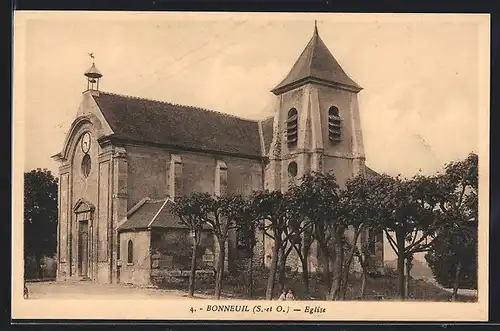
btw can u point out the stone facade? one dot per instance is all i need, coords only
(123, 156)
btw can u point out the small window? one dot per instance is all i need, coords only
(86, 165)
(292, 127)
(130, 252)
(292, 169)
(334, 124)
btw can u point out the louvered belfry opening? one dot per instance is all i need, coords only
(334, 124)
(292, 127)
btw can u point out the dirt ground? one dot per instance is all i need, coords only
(90, 290)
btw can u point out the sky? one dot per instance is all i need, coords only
(420, 77)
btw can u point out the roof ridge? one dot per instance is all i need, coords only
(314, 42)
(156, 200)
(157, 213)
(178, 105)
(266, 118)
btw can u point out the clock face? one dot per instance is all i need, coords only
(86, 142)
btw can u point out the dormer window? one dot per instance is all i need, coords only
(292, 127)
(334, 124)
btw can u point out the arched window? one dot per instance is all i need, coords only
(291, 127)
(220, 178)
(130, 252)
(86, 165)
(292, 169)
(334, 124)
(292, 173)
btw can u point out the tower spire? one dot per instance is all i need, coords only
(316, 64)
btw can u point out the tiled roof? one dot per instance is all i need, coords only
(267, 130)
(148, 121)
(370, 172)
(316, 61)
(153, 214)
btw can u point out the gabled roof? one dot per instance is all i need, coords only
(156, 122)
(316, 63)
(370, 172)
(152, 214)
(149, 214)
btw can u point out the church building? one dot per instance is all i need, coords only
(125, 160)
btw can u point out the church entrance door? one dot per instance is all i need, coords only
(83, 249)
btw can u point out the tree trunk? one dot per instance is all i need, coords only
(456, 283)
(400, 239)
(347, 265)
(326, 265)
(250, 278)
(346, 270)
(337, 270)
(363, 283)
(305, 278)
(192, 274)
(38, 258)
(283, 257)
(364, 275)
(220, 269)
(281, 269)
(408, 277)
(345, 279)
(272, 272)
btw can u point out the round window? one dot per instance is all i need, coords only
(86, 165)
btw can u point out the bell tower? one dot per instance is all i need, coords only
(93, 76)
(316, 123)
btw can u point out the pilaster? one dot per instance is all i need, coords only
(119, 206)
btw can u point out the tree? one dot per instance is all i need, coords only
(407, 214)
(299, 232)
(246, 222)
(320, 197)
(364, 256)
(453, 258)
(192, 211)
(271, 211)
(40, 215)
(224, 214)
(357, 207)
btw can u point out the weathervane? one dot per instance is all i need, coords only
(92, 57)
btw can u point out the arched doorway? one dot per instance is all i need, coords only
(84, 212)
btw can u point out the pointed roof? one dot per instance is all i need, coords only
(93, 72)
(317, 64)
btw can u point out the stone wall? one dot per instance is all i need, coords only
(149, 175)
(171, 252)
(137, 270)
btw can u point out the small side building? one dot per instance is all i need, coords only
(154, 245)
